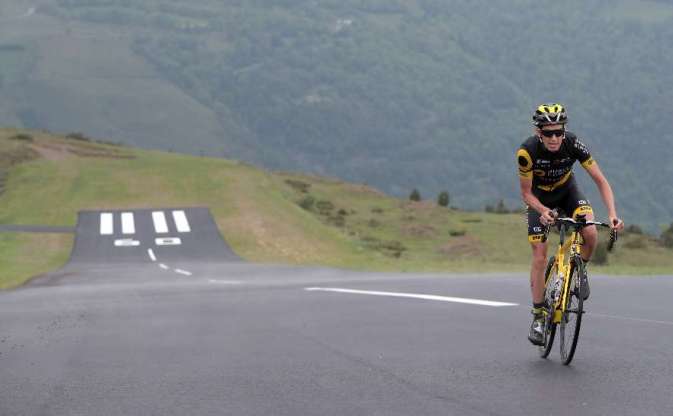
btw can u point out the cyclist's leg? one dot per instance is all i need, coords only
(577, 204)
(537, 240)
(536, 237)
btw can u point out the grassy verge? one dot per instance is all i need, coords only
(27, 255)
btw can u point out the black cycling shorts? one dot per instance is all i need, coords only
(569, 200)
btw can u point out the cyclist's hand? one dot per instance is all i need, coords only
(548, 217)
(616, 223)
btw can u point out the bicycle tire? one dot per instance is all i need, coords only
(571, 321)
(550, 326)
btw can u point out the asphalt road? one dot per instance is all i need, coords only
(120, 331)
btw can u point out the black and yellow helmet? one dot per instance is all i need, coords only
(550, 114)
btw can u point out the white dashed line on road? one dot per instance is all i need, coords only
(163, 266)
(412, 296)
(150, 252)
(183, 272)
(626, 318)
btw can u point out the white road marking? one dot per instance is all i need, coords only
(127, 242)
(128, 224)
(151, 254)
(160, 225)
(106, 223)
(225, 282)
(168, 241)
(626, 318)
(181, 221)
(185, 272)
(163, 266)
(413, 296)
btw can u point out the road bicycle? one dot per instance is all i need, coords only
(564, 277)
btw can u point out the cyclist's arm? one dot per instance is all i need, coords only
(606, 192)
(531, 200)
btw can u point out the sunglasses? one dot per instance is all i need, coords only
(551, 133)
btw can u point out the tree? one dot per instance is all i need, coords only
(415, 195)
(443, 199)
(500, 207)
(667, 237)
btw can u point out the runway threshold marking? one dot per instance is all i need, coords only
(106, 223)
(160, 224)
(412, 296)
(181, 222)
(128, 223)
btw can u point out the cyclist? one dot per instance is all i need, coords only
(547, 183)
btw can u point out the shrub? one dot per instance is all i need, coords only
(22, 137)
(78, 136)
(307, 202)
(415, 195)
(342, 212)
(633, 229)
(443, 199)
(374, 223)
(337, 220)
(500, 208)
(387, 248)
(392, 248)
(637, 243)
(324, 207)
(667, 237)
(457, 233)
(300, 186)
(377, 210)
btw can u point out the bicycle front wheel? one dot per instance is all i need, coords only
(571, 319)
(549, 325)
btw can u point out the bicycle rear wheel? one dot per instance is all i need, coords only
(550, 326)
(571, 320)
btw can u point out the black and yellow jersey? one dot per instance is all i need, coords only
(551, 170)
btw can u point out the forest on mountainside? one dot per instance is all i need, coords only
(428, 94)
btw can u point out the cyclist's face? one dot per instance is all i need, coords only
(553, 143)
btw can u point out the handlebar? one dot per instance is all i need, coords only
(578, 225)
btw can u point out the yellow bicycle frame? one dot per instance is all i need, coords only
(572, 246)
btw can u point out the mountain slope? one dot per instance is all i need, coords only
(398, 94)
(265, 216)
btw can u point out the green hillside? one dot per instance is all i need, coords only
(265, 216)
(395, 93)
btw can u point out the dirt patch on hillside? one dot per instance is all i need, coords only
(61, 151)
(461, 246)
(419, 230)
(51, 151)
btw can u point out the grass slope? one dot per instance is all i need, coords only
(49, 179)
